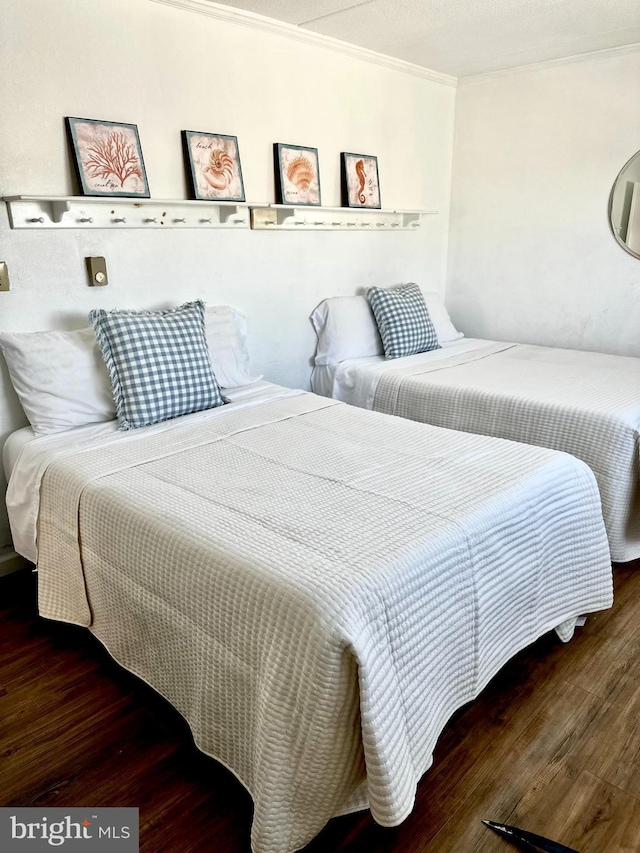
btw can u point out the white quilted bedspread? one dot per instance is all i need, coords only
(317, 588)
(583, 403)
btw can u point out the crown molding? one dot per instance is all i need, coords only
(291, 31)
(533, 67)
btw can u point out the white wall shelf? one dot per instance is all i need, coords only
(27, 211)
(274, 217)
(45, 212)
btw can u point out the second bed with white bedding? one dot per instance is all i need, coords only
(315, 588)
(583, 403)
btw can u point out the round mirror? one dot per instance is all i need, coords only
(624, 207)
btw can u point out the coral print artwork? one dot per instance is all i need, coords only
(108, 158)
(360, 185)
(297, 174)
(213, 165)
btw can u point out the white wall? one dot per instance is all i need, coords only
(165, 70)
(531, 255)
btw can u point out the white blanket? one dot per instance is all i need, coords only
(584, 403)
(317, 588)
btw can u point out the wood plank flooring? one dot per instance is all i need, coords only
(552, 744)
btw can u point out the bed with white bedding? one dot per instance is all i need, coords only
(314, 587)
(583, 403)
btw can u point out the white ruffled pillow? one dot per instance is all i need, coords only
(347, 329)
(62, 382)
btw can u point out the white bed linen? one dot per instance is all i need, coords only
(29, 456)
(583, 403)
(12, 448)
(317, 588)
(355, 380)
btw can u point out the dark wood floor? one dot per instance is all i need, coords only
(553, 744)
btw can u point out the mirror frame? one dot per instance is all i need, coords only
(610, 208)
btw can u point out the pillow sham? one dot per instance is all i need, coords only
(346, 328)
(158, 363)
(226, 333)
(445, 330)
(59, 377)
(403, 320)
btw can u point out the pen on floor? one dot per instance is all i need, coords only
(530, 840)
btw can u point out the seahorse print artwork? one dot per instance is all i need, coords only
(360, 186)
(361, 180)
(219, 171)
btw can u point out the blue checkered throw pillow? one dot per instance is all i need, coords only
(403, 320)
(158, 363)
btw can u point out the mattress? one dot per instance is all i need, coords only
(583, 403)
(316, 588)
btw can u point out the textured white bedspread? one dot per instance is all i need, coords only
(584, 403)
(317, 588)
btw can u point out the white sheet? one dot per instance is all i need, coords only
(317, 588)
(13, 447)
(27, 456)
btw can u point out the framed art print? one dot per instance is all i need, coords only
(213, 166)
(107, 157)
(360, 184)
(297, 174)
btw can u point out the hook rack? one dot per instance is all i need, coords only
(26, 211)
(289, 217)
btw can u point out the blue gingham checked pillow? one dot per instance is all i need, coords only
(158, 363)
(403, 320)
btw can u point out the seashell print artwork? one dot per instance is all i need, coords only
(219, 171)
(297, 174)
(301, 173)
(360, 186)
(213, 166)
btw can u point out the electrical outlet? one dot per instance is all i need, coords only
(97, 269)
(4, 276)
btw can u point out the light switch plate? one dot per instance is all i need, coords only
(4, 276)
(97, 269)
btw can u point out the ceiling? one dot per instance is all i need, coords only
(464, 37)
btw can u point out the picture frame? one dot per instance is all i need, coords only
(213, 166)
(107, 158)
(359, 180)
(297, 175)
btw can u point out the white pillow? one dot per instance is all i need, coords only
(226, 334)
(59, 377)
(346, 328)
(445, 330)
(62, 381)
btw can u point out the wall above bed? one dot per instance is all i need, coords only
(167, 69)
